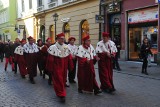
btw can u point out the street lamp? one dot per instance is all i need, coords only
(55, 17)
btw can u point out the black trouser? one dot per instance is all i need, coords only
(1, 57)
(145, 64)
(115, 62)
(15, 66)
(72, 74)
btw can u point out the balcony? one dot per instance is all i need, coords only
(67, 1)
(40, 8)
(52, 4)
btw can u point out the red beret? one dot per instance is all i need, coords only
(23, 40)
(60, 35)
(87, 37)
(48, 39)
(30, 37)
(71, 39)
(105, 34)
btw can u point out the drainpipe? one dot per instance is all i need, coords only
(100, 32)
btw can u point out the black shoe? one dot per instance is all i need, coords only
(72, 81)
(119, 69)
(49, 82)
(23, 76)
(5, 69)
(62, 99)
(66, 85)
(108, 90)
(40, 73)
(146, 73)
(43, 75)
(96, 92)
(15, 72)
(13, 69)
(32, 81)
(80, 91)
(113, 89)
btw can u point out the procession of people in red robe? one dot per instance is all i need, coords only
(59, 62)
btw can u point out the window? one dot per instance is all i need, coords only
(39, 3)
(30, 4)
(23, 8)
(66, 30)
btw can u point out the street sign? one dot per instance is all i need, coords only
(99, 18)
(21, 26)
(158, 1)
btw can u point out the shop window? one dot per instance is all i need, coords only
(66, 30)
(84, 28)
(136, 36)
(52, 35)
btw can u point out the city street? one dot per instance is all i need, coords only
(133, 89)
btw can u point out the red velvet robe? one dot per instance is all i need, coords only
(58, 66)
(86, 72)
(105, 71)
(31, 57)
(105, 63)
(20, 59)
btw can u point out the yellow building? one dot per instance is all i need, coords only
(76, 18)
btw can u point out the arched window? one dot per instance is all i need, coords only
(42, 33)
(84, 28)
(66, 30)
(52, 33)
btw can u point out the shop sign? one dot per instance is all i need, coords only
(157, 1)
(99, 18)
(144, 15)
(21, 26)
(64, 20)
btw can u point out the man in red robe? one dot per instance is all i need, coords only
(86, 74)
(20, 60)
(31, 56)
(58, 61)
(106, 49)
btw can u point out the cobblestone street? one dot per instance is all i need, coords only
(133, 90)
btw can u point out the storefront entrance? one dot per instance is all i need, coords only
(136, 36)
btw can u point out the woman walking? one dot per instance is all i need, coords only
(145, 51)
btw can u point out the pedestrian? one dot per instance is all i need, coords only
(115, 59)
(45, 55)
(145, 51)
(20, 59)
(41, 64)
(86, 73)
(73, 48)
(8, 55)
(16, 44)
(106, 49)
(58, 62)
(1, 50)
(31, 57)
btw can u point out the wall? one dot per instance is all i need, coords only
(77, 13)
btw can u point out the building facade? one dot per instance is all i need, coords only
(7, 20)
(26, 20)
(131, 21)
(75, 18)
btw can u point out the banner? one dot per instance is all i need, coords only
(143, 15)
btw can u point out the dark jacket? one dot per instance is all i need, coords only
(145, 51)
(1, 48)
(7, 51)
